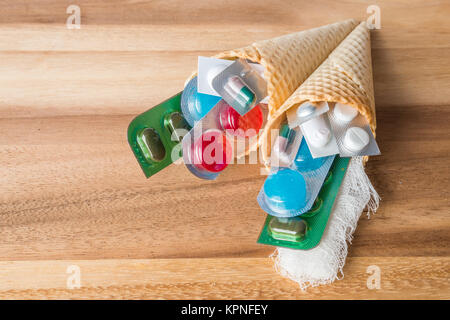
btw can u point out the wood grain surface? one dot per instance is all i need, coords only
(72, 193)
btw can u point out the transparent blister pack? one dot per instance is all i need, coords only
(195, 105)
(304, 112)
(209, 68)
(289, 192)
(155, 135)
(240, 86)
(209, 147)
(285, 146)
(352, 132)
(305, 232)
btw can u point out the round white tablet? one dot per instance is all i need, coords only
(305, 109)
(356, 139)
(344, 112)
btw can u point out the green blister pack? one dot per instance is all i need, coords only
(155, 135)
(305, 232)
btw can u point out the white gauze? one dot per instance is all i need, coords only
(324, 263)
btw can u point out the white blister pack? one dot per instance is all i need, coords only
(285, 147)
(209, 68)
(240, 86)
(304, 112)
(319, 136)
(352, 132)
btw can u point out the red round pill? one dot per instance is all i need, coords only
(212, 151)
(245, 126)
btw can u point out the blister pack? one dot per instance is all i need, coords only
(155, 135)
(285, 146)
(240, 86)
(319, 136)
(352, 132)
(195, 105)
(305, 232)
(208, 147)
(210, 67)
(289, 192)
(304, 112)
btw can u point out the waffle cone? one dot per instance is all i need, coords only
(345, 77)
(289, 60)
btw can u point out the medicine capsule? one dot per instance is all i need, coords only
(285, 190)
(212, 151)
(247, 125)
(344, 113)
(241, 94)
(317, 131)
(288, 229)
(281, 142)
(177, 126)
(356, 139)
(151, 145)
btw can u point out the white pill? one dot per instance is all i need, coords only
(356, 139)
(344, 112)
(317, 131)
(305, 109)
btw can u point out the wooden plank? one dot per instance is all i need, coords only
(239, 278)
(71, 191)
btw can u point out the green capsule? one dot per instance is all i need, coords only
(177, 126)
(151, 145)
(288, 229)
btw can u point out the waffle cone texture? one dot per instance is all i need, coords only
(335, 57)
(344, 77)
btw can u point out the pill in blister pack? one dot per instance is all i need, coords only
(209, 68)
(208, 147)
(289, 192)
(319, 137)
(304, 112)
(288, 229)
(155, 135)
(306, 231)
(195, 105)
(352, 132)
(285, 146)
(240, 86)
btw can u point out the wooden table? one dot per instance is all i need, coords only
(72, 193)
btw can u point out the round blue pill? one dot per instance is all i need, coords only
(304, 160)
(195, 105)
(285, 191)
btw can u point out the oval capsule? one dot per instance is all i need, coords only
(151, 145)
(288, 229)
(177, 126)
(240, 93)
